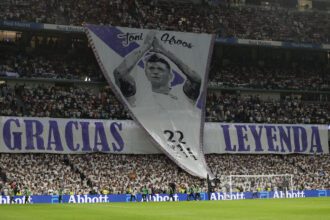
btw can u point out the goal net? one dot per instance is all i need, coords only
(259, 183)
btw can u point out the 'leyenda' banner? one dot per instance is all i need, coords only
(75, 136)
(161, 77)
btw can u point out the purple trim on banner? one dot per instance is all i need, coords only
(202, 99)
(109, 35)
(178, 79)
(141, 64)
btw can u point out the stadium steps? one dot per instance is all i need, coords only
(75, 169)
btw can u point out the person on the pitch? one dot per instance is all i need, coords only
(190, 193)
(27, 194)
(171, 193)
(152, 193)
(132, 193)
(11, 196)
(60, 195)
(144, 193)
(197, 190)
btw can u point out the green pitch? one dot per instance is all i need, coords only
(277, 209)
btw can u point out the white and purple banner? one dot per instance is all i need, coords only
(78, 136)
(161, 77)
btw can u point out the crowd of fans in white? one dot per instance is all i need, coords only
(60, 102)
(242, 22)
(59, 67)
(302, 78)
(55, 67)
(101, 173)
(79, 102)
(41, 173)
(253, 109)
(309, 172)
(110, 173)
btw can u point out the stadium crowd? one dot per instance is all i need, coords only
(241, 22)
(60, 102)
(59, 67)
(79, 102)
(42, 173)
(55, 67)
(309, 172)
(256, 77)
(253, 109)
(111, 173)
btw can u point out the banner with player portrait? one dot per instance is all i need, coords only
(161, 77)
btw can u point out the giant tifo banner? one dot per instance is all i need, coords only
(161, 76)
(77, 136)
(54, 199)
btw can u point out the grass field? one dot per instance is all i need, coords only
(277, 209)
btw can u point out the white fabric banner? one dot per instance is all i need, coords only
(161, 77)
(73, 136)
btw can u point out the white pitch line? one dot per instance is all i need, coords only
(119, 206)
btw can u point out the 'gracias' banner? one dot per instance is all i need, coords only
(161, 77)
(72, 136)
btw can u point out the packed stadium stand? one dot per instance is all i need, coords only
(75, 102)
(54, 74)
(94, 173)
(273, 23)
(276, 77)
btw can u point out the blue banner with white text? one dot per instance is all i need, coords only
(54, 199)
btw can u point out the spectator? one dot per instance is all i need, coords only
(262, 23)
(44, 173)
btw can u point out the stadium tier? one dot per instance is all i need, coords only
(67, 97)
(45, 174)
(226, 20)
(76, 67)
(78, 102)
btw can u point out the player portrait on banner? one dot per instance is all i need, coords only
(160, 76)
(158, 72)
